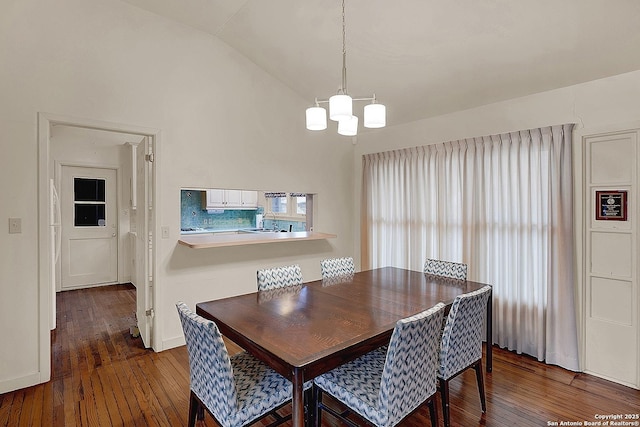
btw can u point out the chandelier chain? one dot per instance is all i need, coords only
(344, 52)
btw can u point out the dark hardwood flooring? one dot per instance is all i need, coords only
(101, 376)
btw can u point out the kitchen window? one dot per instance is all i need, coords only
(277, 202)
(300, 203)
(283, 205)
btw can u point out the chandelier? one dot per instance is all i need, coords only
(341, 105)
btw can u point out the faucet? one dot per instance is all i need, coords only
(273, 220)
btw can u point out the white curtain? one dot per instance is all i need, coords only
(503, 204)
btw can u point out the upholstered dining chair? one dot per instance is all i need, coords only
(279, 277)
(383, 388)
(461, 346)
(335, 267)
(236, 390)
(454, 270)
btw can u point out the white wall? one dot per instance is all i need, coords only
(600, 102)
(223, 123)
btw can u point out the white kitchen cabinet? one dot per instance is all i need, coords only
(230, 199)
(249, 199)
(214, 199)
(233, 198)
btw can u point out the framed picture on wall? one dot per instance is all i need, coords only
(611, 205)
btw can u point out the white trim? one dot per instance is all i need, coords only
(173, 342)
(21, 382)
(614, 380)
(57, 119)
(97, 285)
(580, 228)
(580, 223)
(45, 293)
(608, 128)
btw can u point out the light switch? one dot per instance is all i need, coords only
(15, 225)
(165, 232)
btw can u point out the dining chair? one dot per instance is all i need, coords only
(279, 277)
(335, 267)
(384, 388)
(236, 390)
(454, 270)
(461, 346)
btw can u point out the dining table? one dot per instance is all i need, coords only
(306, 330)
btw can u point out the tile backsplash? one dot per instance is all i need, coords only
(284, 225)
(193, 215)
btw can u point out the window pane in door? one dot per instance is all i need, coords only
(89, 190)
(90, 215)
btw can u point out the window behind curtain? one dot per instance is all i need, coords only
(503, 205)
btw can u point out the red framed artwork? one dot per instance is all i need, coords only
(611, 205)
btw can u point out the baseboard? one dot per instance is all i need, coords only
(612, 379)
(97, 285)
(173, 342)
(20, 382)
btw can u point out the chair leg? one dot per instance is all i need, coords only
(309, 407)
(316, 406)
(194, 406)
(444, 396)
(480, 378)
(433, 413)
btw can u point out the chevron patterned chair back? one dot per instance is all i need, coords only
(454, 270)
(461, 346)
(236, 390)
(383, 388)
(279, 277)
(336, 267)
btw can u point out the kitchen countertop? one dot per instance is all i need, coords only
(198, 230)
(215, 240)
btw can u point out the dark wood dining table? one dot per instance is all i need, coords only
(306, 330)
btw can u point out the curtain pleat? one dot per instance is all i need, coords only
(503, 204)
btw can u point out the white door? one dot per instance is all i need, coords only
(89, 249)
(611, 274)
(144, 239)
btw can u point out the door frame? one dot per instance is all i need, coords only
(46, 295)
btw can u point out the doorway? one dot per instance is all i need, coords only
(145, 294)
(89, 226)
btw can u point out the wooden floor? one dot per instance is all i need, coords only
(101, 376)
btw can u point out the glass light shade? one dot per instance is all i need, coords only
(316, 118)
(348, 127)
(375, 116)
(340, 107)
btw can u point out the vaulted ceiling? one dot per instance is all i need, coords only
(423, 58)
